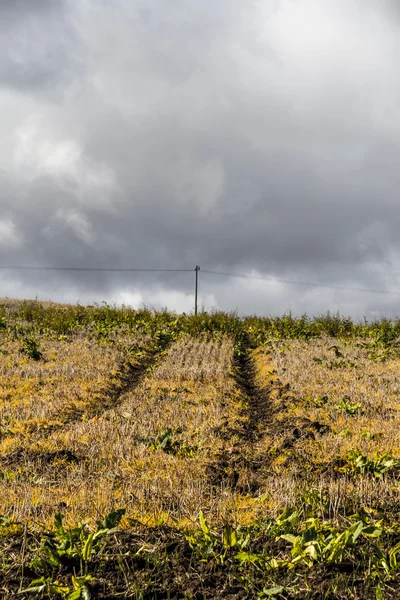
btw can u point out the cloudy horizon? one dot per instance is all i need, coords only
(257, 138)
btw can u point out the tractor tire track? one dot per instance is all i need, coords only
(128, 376)
(258, 407)
(238, 466)
(244, 465)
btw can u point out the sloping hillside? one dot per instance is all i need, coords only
(152, 455)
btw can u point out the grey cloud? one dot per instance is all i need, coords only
(204, 134)
(38, 47)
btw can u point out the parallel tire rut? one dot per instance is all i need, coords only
(127, 378)
(242, 458)
(258, 405)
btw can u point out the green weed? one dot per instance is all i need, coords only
(349, 409)
(30, 347)
(168, 443)
(377, 466)
(72, 551)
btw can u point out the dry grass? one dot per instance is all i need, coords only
(117, 459)
(13, 305)
(316, 387)
(353, 376)
(203, 359)
(169, 448)
(111, 418)
(38, 396)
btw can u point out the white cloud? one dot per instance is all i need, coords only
(9, 236)
(40, 149)
(79, 225)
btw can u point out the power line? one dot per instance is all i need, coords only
(98, 269)
(306, 283)
(197, 269)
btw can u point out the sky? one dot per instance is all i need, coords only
(254, 137)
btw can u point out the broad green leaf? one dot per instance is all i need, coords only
(101, 533)
(356, 529)
(203, 525)
(276, 563)
(87, 547)
(86, 595)
(56, 588)
(81, 593)
(37, 589)
(310, 534)
(248, 557)
(393, 561)
(113, 519)
(270, 592)
(230, 537)
(312, 551)
(288, 537)
(372, 531)
(289, 515)
(58, 524)
(297, 559)
(393, 556)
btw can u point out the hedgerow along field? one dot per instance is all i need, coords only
(152, 455)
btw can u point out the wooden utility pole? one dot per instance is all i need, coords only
(196, 285)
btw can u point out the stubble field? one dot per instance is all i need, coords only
(151, 455)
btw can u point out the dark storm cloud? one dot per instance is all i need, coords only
(255, 137)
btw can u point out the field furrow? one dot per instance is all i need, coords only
(150, 452)
(336, 417)
(71, 381)
(240, 458)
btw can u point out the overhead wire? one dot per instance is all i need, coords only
(296, 282)
(101, 269)
(203, 271)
